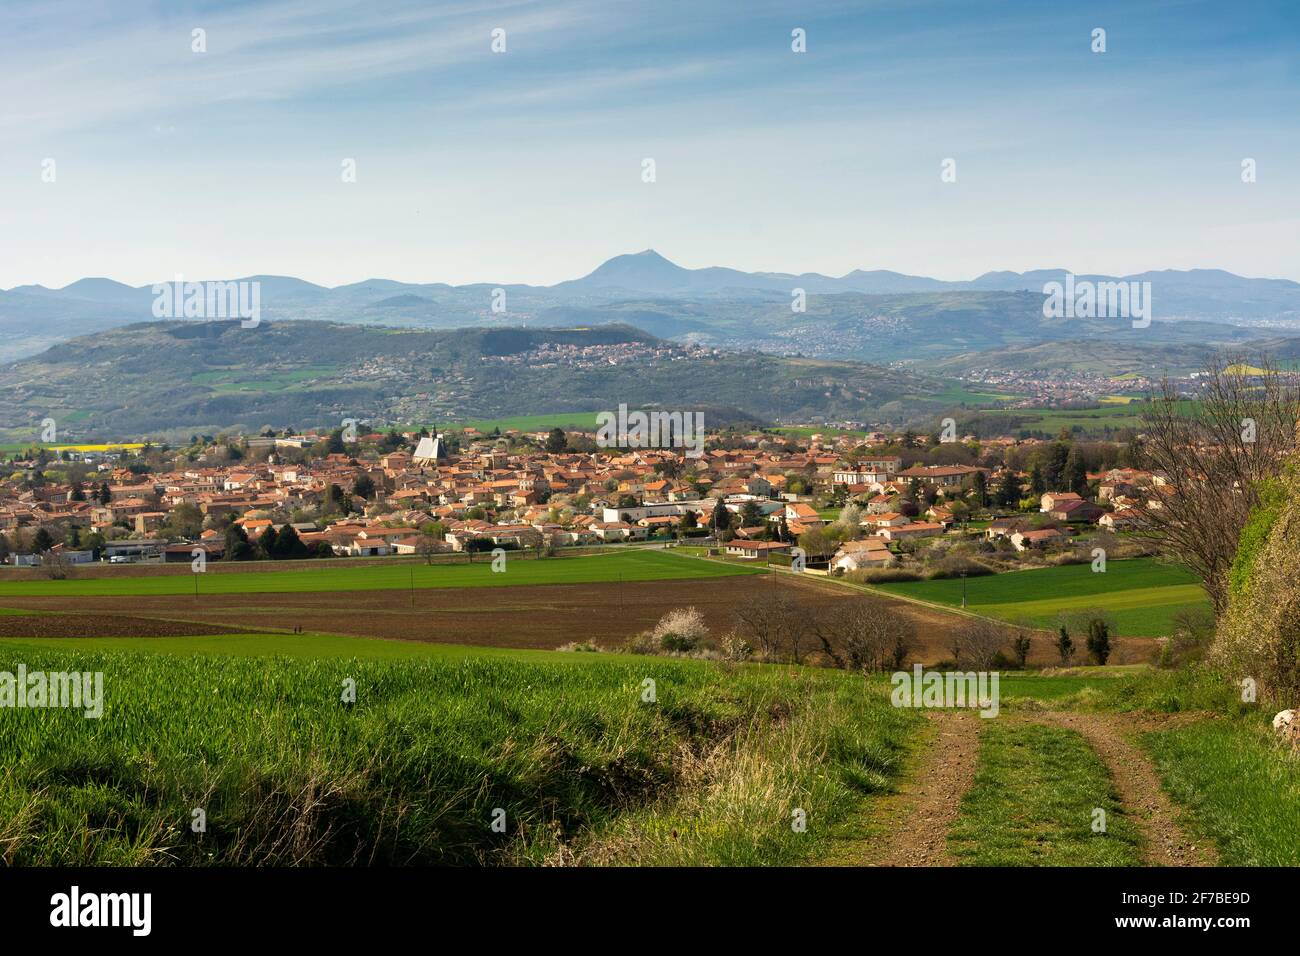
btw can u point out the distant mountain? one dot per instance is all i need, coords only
(168, 377)
(871, 314)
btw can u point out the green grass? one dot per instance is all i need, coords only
(1237, 785)
(629, 566)
(300, 646)
(1142, 594)
(583, 421)
(585, 769)
(1032, 803)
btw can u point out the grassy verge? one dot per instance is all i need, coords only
(584, 769)
(1033, 800)
(1238, 786)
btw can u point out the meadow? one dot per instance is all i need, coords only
(598, 760)
(1142, 594)
(382, 574)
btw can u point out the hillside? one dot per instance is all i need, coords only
(146, 378)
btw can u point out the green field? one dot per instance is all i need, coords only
(584, 767)
(631, 565)
(1142, 594)
(582, 421)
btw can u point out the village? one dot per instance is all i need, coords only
(836, 503)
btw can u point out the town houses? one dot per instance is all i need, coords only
(753, 496)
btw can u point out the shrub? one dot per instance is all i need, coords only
(1099, 640)
(680, 631)
(582, 647)
(881, 575)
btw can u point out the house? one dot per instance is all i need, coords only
(941, 476)
(757, 549)
(803, 513)
(889, 519)
(1123, 520)
(1003, 527)
(867, 553)
(1024, 540)
(1076, 511)
(915, 529)
(1052, 499)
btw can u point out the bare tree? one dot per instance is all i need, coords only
(862, 634)
(1211, 458)
(428, 547)
(775, 626)
(978, 642)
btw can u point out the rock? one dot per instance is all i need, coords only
(1287, 724)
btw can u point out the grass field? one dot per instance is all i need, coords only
(583, 421)
(632, 565)
(300, 646)
(577, 761)
(1142, 594)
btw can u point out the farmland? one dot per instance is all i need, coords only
(639, 565)
(1142, 594)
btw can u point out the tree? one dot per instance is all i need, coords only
(266, 541)
(1065, 646)
(288, 544)
(363, 486)
(980, 488)
(186, 520)
(42, 541)
(750, 516)
(1075, 476)
(817, 544)
(776, 626)
(1217, 458)
(978, 643)
(557, 441)
(865, 635)
(104, 496)
(429, 547)
(1037, 484)
(1099, 640)
(237, 546)
(1021, 647)
(1008, 494)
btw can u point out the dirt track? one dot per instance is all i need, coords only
(1164, 841)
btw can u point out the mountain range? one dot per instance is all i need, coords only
(864, 314)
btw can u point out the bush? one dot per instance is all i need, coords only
(581, 647)
(681, 631)
(952, 567)
(881, 575)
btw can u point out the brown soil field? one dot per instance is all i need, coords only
(537, 616)
(102, 625)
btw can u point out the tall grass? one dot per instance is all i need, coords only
(287, 773)
(1238, 786)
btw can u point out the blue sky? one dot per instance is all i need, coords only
(526, 166)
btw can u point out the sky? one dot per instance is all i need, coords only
(528, 165)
